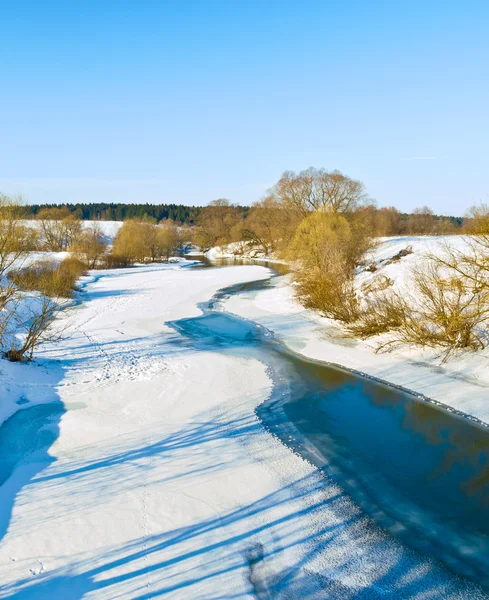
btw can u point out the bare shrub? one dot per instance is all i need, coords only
(33, 325)
(269, 225)
(16, 239)
(49, 278)
(217, 224)
(327, 248)
(60, 229)
(90, 246)
(380, 313)
(115, 261)
(7, 296)
(441, 309)
(333, 294)
(142, 241)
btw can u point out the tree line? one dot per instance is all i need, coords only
(102, 211)
(272, 222)
(322, 222)
(388, 220)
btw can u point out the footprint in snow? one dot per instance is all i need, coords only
(37, 570)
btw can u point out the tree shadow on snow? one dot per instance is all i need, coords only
(26, 437)
(247, 551)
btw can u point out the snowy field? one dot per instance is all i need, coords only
(109, 228)
(160, 482)
(461, 383)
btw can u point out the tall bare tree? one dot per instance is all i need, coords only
(268, 225)
(59, 228)
(318, 189)
(33, 322)
(215, 224)
(421, 221)
(90, 245)
(16, 239)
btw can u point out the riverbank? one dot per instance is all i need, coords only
(461, 383)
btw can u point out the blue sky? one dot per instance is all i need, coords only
(186, 101)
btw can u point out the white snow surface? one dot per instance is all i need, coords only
(109, 228)
(162, 483)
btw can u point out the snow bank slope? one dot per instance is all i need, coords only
(462, 383)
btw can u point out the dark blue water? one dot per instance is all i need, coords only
(421, 472)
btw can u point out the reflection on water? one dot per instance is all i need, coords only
(421, 472)
(279, 268)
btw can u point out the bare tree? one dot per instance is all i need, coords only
(16, 239)
(7, 296)
(90, 246)
(131, 243)
(388, 221)
(138, 241)
(327, 249)
(422, 221)
(268, 225)
(318, 189)
(215, 224)
(33, 317)
(169, 239)
(60, 229)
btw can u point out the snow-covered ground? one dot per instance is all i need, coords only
(462, 382)
(161, 481)
(109, 228)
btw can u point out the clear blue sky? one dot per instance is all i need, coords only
(186, 101)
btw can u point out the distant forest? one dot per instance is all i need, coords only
(99, 211)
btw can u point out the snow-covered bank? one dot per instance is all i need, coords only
(241, 250)
(162, 481)
(462, 382)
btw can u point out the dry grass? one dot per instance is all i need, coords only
(440, 310)
(332, 294)
(49, 278)
(115, 261)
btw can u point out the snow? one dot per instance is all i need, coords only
(240, 250)
(461, 383)
(109, 228)
(162, 482)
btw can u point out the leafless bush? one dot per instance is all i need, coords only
(33, 318)
(442, 309)
(49, 278)
(333, 294)
(16, 240)
(144, 241)
(115, 261)
(7, 295)
(327, 248)
(59, 228)
(90, 246)
(379, 313)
